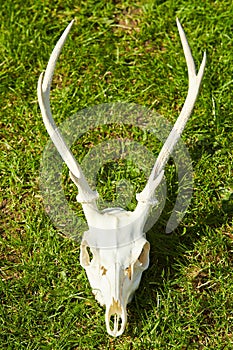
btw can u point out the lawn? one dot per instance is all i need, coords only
(117, 51)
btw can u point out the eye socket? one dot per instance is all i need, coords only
(90, 254)
(144, 255)
(142, 261)
(86, 255)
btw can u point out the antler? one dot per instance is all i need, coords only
(175, 134)
(86, 195)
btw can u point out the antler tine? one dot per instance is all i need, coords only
(43, 91)
(175, 134)
(189, 58)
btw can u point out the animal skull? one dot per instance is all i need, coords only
(114, 272)
(122, 266)
(114, 251)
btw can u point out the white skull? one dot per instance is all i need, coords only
(114, 275)
(114, 251)
(114, 268)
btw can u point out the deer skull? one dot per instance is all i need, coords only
(115, 267)
(114, 251)
(124, 266)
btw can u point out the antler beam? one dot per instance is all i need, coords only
(175, 134)
(43, 91)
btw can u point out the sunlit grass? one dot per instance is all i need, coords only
(131, 52)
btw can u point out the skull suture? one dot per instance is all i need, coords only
(114, 251)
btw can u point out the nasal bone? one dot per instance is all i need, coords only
(116, 314)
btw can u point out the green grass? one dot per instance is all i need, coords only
(185, 300)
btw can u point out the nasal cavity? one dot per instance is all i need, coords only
(115, 319)
(115, 323)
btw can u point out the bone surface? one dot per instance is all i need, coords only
(114, 251)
